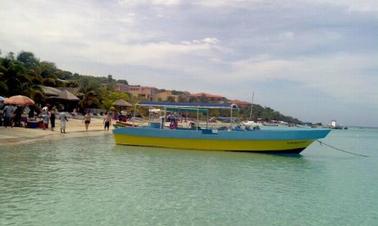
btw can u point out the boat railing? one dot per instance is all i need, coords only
(159, 117)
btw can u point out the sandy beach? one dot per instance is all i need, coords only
(74, 128)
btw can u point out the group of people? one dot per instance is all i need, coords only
(45, 118)
(51, 116)
(20, 116)
(7, 115)
(106, 120)
(173, 121)
(12, 115)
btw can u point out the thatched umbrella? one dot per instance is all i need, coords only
(19, 100)
(121, 103)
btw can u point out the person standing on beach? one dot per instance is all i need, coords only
(63, 120)
(87, 120)
(1, 116)
(45, 119)
(17, 116)
(31, 113)
(52, 119)
(107, 121)
(8, 114)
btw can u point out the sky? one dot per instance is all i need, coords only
(316, 60)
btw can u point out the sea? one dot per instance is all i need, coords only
(92, 181)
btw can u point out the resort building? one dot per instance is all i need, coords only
(144, 92)
(154, 94)
(166, 95)
(121, 87)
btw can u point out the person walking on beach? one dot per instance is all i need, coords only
(45, 119)
(52, 119)
(107, 121)
(63, 120)
(87, 120)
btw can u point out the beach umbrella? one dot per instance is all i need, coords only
(19, 100)
(121, 103)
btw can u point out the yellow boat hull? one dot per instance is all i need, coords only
(284, 146)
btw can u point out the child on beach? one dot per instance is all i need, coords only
(63, 120)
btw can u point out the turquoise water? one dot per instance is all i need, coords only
(90, 181)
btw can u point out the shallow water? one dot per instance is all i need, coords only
(91, 181)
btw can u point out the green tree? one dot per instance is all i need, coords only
(13, 75)
(171, 99)
(111, 96)
(90, 88)
(49, 82)
(28, 59)
(110, 82)
(48, 70)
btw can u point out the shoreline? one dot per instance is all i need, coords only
(75, 128)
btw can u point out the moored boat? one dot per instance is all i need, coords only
(234, 138)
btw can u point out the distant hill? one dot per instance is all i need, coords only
(24, 74)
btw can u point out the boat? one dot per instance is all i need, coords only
(235, 138)
(335, 125)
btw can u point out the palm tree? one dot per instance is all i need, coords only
(16, 79)
(90, 90)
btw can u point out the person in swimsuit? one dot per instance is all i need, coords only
(87, 120)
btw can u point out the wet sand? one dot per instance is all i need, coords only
(74, 128)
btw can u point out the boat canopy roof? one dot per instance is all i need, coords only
(193, 106)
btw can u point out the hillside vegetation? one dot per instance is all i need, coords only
(24, 73)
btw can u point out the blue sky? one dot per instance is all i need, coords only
(315, 60)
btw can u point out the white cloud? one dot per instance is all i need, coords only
(353, 5)
(208, 40)
(338, 75)
(226, 3)
(148, 54)
(151, 2)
